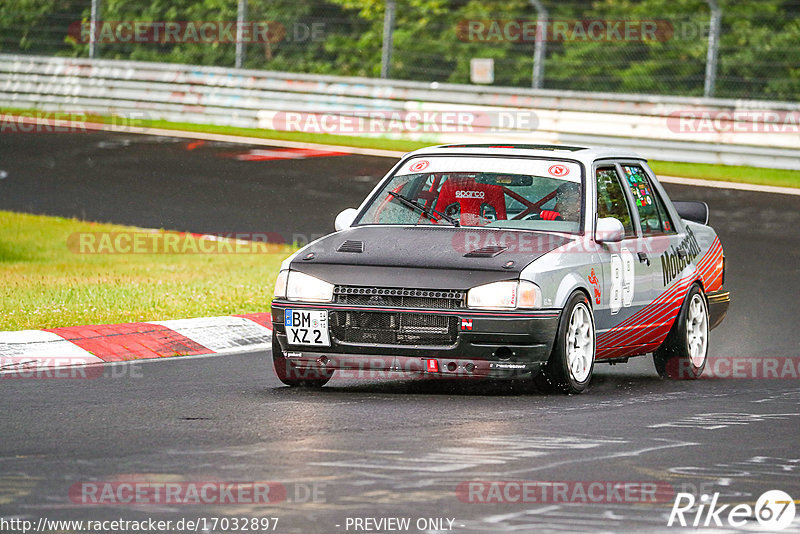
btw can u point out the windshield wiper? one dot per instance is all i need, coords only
(428, 212)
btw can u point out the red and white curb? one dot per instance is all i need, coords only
(96, 344)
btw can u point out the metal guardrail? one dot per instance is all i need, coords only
(756, 133)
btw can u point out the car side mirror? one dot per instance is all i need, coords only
(694, 211)
(609, 230)
(345, 219)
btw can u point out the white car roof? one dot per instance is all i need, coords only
(586, 155)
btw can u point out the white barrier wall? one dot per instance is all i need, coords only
(757, 133)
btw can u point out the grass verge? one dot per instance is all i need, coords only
(728, 173)
(45, 283)
(703, 171)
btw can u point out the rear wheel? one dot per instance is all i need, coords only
(288, 373)
(569, 368)
(684, 352)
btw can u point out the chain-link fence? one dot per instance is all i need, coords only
(719, 48)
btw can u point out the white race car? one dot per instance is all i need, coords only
(530, 262)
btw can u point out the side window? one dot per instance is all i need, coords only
(653, 216)
(666, 222)
(611, 201)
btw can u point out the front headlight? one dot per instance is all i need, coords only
(505, 296)
(303, 287)
(280, 285)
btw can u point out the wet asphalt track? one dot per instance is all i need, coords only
(386, 448)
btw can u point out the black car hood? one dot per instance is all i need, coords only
(423, 256)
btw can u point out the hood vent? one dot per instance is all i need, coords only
(486, 252)
(351, 246)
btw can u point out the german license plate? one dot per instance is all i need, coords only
(307, 327)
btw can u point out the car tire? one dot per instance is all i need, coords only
(569, 368)
(684, 352)
(290, 375)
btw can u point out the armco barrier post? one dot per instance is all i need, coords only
(539, 46)
(95, 15)
(713, 48)
(388, 30)
(241, 18)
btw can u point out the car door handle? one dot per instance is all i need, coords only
(644, 259)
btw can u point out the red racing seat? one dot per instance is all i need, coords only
(473, 202)
(549, 215)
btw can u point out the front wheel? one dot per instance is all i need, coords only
(569, 368)
(684, 352)
(288, 373)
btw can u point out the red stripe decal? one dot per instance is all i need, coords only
(653, 309)
(657, 310)
(652, 323)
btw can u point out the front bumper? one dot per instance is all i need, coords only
(503, 344)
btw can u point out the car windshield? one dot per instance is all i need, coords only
(525, 193)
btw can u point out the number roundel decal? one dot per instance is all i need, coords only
(558, 170)
(622, 280)
(421, 165)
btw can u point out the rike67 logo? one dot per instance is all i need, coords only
(774, 510)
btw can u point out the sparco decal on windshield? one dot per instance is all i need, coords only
(470, 194)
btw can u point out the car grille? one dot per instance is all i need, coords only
(398, 298)
(386, 328)
(394, 328)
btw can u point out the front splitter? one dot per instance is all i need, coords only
(361, 366)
